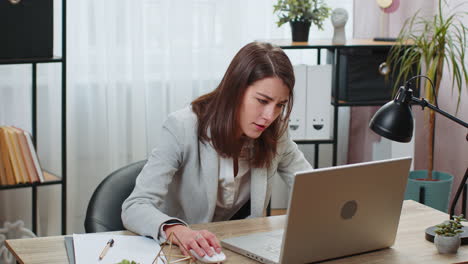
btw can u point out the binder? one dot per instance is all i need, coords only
(18, 158)
(319, 82)
(10, 177)
(26, 153)
(297, 119)
(20, 163)
(34, 156)
(12, 154)
(2, 171)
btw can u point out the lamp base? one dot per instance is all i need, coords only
(430, 234)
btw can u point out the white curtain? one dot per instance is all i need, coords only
(130, 63)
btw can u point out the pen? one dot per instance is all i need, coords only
(109, 244)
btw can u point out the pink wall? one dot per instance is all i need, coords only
(451, 147)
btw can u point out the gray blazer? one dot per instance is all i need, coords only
(180, 179)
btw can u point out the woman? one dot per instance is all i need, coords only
(220, 153)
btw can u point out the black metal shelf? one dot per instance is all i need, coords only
(49, 178)
(27, 185)
(314, 141)
(359, 103)
(334, 49)
(304, 45)
(24, 185)
(31, 60)
(328, 44)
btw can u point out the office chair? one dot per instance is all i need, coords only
(105, 206)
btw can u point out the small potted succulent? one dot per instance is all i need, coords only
(447, 239)
(125, 261)
(301, 14)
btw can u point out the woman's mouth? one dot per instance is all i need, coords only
(259, 127)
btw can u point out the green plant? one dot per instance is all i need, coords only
(127, 262)
(429, 44)
(315, 11)
(450, 228)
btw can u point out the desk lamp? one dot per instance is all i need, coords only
(394, 121)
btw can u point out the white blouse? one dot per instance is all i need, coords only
(233, 191)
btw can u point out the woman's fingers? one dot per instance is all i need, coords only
(181, 236)
(203, 243)
(200, 241)
(212, 240)
(195, 247)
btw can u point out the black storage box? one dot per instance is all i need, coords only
(359, 76)
(26, 29)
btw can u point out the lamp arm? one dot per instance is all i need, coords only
(457, 195)
(423, 103)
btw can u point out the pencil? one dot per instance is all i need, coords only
(109, 244)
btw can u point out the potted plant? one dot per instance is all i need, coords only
(447, 239)
(125, 261)
(301, 14)
(428, 45)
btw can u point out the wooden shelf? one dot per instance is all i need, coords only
(327, 43)
(359, 103)
(49, 179)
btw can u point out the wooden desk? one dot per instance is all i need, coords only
(410, 246)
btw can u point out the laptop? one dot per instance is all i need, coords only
(334, 212)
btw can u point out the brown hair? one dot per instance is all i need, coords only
(217, 111)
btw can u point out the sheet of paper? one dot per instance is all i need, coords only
(140, 249)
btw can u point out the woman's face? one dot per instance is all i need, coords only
(263, 102)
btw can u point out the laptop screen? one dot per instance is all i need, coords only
(335, 212)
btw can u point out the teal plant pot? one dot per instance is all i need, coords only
(435, 194)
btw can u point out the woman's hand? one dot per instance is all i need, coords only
(199, 241)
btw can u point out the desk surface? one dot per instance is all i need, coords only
(410, 245)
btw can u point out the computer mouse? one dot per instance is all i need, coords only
(216, 258)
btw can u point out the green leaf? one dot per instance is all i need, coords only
(125, 261)
(435, 41)
(314, 11)
(451, 227)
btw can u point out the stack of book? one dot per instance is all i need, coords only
(19, 163)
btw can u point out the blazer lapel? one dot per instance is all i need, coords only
(258, 190)
(210, 170)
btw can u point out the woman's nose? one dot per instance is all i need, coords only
(269, 113)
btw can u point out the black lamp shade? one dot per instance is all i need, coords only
(394, 121)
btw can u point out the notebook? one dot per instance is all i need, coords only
(334, 212)
(89, 247)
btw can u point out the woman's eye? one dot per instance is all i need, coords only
(281, 105)
(262, 101)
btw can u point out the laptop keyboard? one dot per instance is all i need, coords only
(273, 246)
(264, 246)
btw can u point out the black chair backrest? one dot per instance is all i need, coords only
(105, 207)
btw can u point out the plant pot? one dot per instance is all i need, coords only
(300, 30)
(447, 245)
(435, 194)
